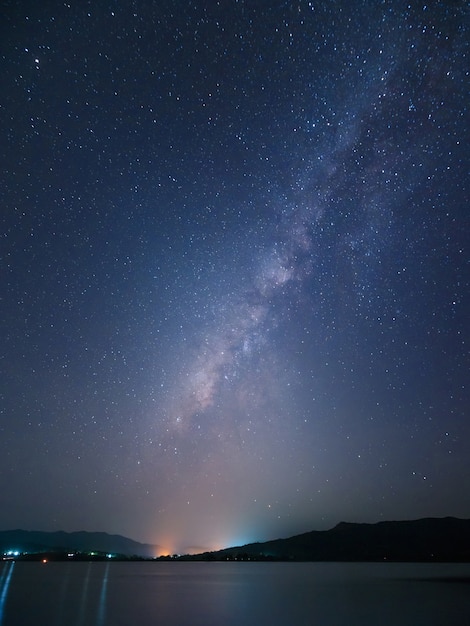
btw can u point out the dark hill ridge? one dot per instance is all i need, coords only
(37, 541)
(431, 539)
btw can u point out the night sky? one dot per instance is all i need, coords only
(234, 266)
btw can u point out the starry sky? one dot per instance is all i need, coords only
(234, 266)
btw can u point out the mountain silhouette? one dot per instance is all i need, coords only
(38, 541)
(430, 539)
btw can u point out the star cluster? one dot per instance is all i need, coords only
(234, 296)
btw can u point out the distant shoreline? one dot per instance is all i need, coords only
(428, 540)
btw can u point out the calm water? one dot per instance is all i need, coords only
(206, 594)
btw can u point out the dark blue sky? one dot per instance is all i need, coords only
(235, 266)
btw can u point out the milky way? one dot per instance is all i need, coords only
(301, 238)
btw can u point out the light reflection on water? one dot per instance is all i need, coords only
(210, 594)
(5, 579)
(102, 605)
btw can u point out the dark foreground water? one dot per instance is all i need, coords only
(206, 594)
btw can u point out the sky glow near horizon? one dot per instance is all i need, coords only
(235, 267)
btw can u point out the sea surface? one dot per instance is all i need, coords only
(234, 593)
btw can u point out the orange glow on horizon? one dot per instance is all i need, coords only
(164, 552)
(168, 548)
(174, 541)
